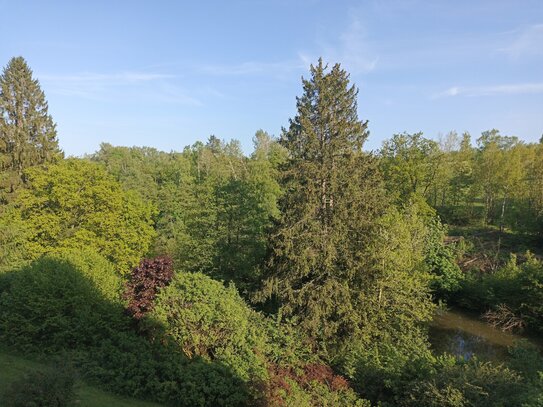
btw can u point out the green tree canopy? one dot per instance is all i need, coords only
(76, 204)
(410, 163)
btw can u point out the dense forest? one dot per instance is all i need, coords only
(304, 274)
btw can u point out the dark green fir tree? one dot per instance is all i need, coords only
(333, 194)
(28, 135)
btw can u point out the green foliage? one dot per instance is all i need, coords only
(136, 167)
(470, 383)
(446, 276)
(383, 369)
(518, 287)
(69, 302)
(76, 204)
(498, 183)
(316, 385)
(58, 302)
(214, 205)
(395, 298)
(27, 131)
(14, 236)
(233, 202)
(206, 319)
(52, 387)
(527, 359)
(332, 196)
(94, 267)
(410, 163)
(129, 364)
(411, 376)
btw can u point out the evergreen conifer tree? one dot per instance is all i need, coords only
(333, 194)
(27, 132)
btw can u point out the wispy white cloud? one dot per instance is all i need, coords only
(355, 50)
(351, 48)
(148, 86)
(527, 42)
(510, 89)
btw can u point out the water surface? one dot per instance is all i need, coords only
(463, 334)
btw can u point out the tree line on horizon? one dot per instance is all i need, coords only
(303, 274)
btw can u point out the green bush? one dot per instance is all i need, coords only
(211, 321)
(383, 370)
(66, 300)
(14, 235)
(446, 276)
(95, 268)
(53, 387)
(519, 287)
(129, 364)
(69, 301)
(527, 359)
(469, 383)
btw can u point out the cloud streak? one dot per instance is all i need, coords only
(509, 89)
(527, 43)
(130, 85)
(351, 48)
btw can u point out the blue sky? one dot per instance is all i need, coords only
(168, 73)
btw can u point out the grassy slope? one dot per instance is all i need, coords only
(13, 367)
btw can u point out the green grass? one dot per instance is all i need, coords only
(12, 367)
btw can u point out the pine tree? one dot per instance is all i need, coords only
(333, 194)
(27, 133)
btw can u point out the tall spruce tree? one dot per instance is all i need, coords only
(333, 195)
(27, 133)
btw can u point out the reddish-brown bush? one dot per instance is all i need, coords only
(325, 375)
(144, 283)
(279, 378)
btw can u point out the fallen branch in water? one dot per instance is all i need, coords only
(503, 318)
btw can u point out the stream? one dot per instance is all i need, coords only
(463, 334)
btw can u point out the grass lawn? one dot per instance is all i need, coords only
(12, 367)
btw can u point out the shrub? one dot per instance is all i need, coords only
(52, 387)
(312, 385)
(145, 282)
(440, 260)
(211, 321)
(469, 383)
(383, 370)
(95, 268)
(62, 301)
(129, 364)
(518, 288)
